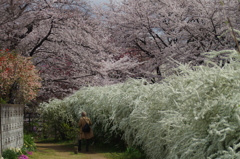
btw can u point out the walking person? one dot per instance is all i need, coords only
(84, 135)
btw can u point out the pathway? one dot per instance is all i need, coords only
(59, 151)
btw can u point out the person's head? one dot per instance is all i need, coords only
(84, 114)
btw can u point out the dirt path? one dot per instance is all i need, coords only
(60, 151)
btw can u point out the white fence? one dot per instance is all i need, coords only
(11, 119)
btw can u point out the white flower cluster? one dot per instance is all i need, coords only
(17, 149)
(195, 114)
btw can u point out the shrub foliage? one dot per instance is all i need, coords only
(192, 114)
(19, 80)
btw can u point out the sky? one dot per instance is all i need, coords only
(97, 2)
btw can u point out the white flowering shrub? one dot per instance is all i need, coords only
(192, 115)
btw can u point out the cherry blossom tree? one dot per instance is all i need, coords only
(73, 46)
(162, 30)
(67, 43)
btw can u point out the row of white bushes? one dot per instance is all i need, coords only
(192, 115)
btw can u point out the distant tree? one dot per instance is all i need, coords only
(161, 30)
(19, 80)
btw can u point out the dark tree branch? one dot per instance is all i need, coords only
(145, 51)
(41, 42)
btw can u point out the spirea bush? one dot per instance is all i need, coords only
(190, 115)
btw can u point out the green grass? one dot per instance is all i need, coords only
(110, 152)
(130, 153)
(41, 154)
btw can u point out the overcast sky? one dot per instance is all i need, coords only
(100, 1)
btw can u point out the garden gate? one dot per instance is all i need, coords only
(11, 132)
